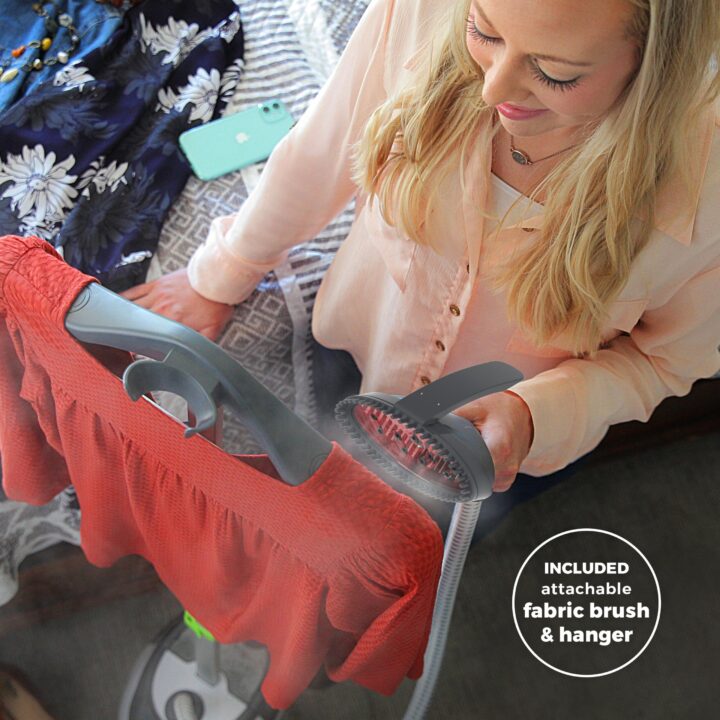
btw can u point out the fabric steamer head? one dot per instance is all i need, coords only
(420, 441)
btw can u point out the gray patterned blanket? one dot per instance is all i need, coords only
(290, 49)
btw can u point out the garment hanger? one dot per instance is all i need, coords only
(182, 361)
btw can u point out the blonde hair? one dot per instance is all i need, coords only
(581, 260)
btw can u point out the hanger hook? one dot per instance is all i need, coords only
(144, 376)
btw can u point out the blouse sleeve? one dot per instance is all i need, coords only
(307, 180)
(672, 345)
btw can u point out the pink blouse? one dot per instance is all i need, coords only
(409, 315)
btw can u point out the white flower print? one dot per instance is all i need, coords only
(89, 174)
(73, 76)
(103, 176)
(177, 39)
(230, 79)
(38, 185)
(229, 28)
(167, 99)
(135, 257)
(45, 229)
(201, 93)
(111, 176)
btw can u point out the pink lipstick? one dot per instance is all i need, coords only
(517, 113)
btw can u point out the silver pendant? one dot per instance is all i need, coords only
(520, 157)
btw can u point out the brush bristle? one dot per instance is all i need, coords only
(409, 451)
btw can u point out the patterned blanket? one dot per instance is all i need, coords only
(290, 49)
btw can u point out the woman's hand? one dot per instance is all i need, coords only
(504, 421)
(172, 296)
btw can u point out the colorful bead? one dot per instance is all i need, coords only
(52, 24)
(9, 75)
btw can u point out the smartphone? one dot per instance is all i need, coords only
(230, 143)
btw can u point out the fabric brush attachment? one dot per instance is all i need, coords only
(420, 441)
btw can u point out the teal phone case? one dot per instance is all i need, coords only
(230, 143)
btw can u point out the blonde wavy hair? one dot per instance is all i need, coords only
(565, 281)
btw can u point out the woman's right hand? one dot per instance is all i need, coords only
(172, 296)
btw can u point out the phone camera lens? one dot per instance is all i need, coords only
(276, 105)
(266, 109)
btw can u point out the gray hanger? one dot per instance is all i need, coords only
(184, 362)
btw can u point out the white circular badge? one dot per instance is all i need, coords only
(586, 602)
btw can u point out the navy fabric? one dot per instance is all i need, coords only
(89, 160)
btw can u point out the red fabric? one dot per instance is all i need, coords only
(341, 570)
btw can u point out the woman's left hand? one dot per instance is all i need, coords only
(504, 421)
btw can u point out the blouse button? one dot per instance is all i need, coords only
(440, 345)
(425, 380)
(455, 310)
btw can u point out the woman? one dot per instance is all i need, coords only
(537, 183)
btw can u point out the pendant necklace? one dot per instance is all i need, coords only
(522, 158)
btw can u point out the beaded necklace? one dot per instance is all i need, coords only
(52, 24)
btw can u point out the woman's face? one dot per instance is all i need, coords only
(570, 60)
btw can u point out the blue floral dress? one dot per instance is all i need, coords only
(89, 158)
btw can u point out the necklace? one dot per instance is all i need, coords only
(522, 158)
(52, 24)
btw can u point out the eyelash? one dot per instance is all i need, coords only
(561, 85)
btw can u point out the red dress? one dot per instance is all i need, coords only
(341, 570)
